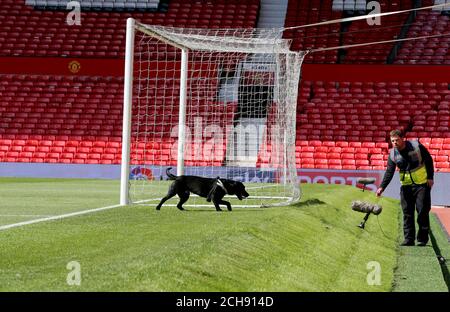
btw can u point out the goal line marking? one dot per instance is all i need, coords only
(24, 215)
(58, 217)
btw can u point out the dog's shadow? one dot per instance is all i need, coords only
(235, 210)
(306, 203)
(309, 202)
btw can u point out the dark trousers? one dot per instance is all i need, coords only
(416, 198)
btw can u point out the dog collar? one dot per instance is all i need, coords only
(219, 183)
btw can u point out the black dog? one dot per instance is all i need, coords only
(213, 189)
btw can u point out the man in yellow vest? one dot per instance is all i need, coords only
(416, 177)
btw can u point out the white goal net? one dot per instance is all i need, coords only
(211, 103)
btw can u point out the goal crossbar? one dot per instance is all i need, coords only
(267, 41)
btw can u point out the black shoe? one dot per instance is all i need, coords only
(421, 243)
(407, 243)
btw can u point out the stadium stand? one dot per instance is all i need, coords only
(309, 12)
(79, 119)
(434, 51)
(25, 31)
(389, 29)
(96, 5)
(332, 35)
(53, 118)
(340, 124)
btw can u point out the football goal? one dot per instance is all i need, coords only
(212, 103)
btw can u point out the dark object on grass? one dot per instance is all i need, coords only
(366, 208)
(365, 182)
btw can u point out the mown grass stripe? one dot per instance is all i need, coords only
(52, 218)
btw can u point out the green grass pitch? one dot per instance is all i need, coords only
(314, 245)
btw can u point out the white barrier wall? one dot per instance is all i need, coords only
(440, 194)
(38, 170)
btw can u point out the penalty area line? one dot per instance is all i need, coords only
(23, 215)
(58, 217)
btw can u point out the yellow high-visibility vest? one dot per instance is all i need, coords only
(417, 176)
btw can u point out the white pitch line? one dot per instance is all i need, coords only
(209, 206)
(63, 216)
(23, 215)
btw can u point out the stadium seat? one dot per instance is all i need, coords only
(103, 31)
(428, 50)
(359, 137)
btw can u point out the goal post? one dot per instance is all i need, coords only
(127, 103)
(212, 103)
(182, 114)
